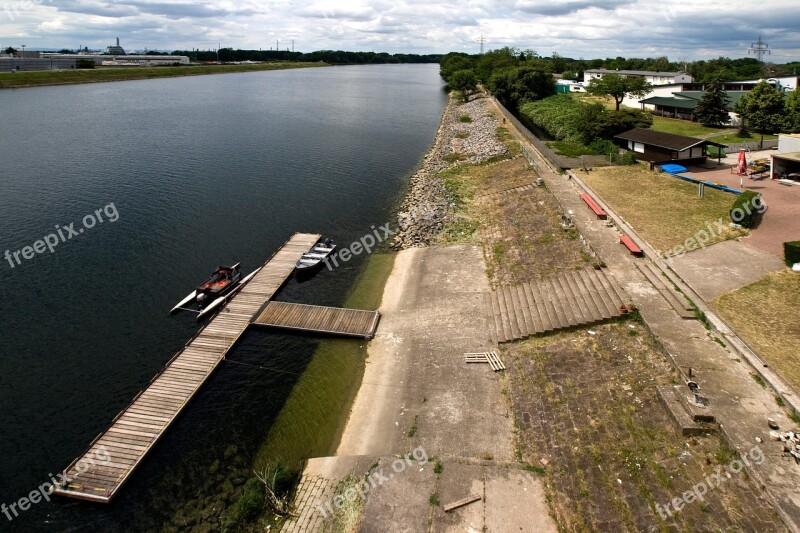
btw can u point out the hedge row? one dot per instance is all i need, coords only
(791, 252)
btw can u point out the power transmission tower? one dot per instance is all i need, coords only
(760, 49)
(481, 40)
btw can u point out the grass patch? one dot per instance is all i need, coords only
(454, 157)
(62, 77)
(684, 127)
(462, 135)
(666, 211)
(795, 417)
(535, 469)
(764, 313)
(571, 149)
(758, 379)
(438, 468)
(779, 401)
(413, 429)
(348, 517)
(434, 500)
(731, 138)
(466, 119)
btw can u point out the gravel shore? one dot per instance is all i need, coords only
(427, 207)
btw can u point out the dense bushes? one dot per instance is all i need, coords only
(746, 208)
(568, 119)
(791, 252)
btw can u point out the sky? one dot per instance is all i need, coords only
(681, 30)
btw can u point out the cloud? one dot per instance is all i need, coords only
(573, 28)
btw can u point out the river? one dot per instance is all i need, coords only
(186, 174)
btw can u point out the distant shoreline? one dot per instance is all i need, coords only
(45, 78)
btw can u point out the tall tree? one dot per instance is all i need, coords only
(713, 108)
(792, 112)
(762, 109)
(463, 81)
(618, 86)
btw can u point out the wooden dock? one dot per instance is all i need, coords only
(138, 427)
(332, 320)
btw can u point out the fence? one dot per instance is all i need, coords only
(756, 145)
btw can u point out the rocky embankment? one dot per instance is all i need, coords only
(427, 207)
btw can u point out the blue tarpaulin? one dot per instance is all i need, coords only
(673, 169)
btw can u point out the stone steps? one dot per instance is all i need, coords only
(664, 287)
(570, 299)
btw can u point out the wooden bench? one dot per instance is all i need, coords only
(593, 206)
(630, 245)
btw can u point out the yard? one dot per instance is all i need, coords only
(765, 315)
(664, 210)
(695, 129)
(588, 418)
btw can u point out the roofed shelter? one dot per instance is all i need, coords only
(785, 166)
(660, 147)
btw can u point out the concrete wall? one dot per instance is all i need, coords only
(789, 142)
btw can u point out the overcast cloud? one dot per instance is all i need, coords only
(681, 30)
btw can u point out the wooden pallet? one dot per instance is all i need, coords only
(111, 458)
(485, 357)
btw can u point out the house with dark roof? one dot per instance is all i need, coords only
(660, 147)
(682, 103)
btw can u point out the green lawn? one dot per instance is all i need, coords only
(693, 129)
(61, 77)
(664, 210)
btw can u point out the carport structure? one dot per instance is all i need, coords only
(785, 166)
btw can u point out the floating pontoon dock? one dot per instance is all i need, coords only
(137, 428)
(315, 318)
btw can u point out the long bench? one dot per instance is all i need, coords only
(593, 206)
(630, 245)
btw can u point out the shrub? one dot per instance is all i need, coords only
(746, 208)
(85, 63)
(791, 252)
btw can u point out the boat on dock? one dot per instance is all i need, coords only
(213, 292)
(315, 256)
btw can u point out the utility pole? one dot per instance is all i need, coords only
(759, 49)
(277, 45)
(481, 40)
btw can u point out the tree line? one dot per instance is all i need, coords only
(334, 57)
(524, 83)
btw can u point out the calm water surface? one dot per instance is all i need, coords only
(201, 171)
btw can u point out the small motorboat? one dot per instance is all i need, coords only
(316, 255)
(210, 294)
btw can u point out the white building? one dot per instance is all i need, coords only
(654, 78)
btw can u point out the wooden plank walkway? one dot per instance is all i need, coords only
(138, 427)
(567, 300)
(319, 319)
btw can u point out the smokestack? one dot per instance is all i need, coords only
(117, 41)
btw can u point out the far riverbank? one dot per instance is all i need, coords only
(99, 75)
